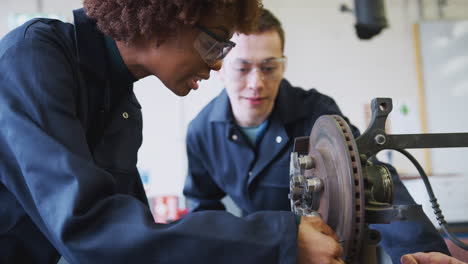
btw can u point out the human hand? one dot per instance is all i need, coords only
(317, 243)
(429, 258)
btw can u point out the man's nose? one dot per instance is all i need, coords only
(255, 79)
(217, 66)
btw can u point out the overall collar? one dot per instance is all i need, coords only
(90, 45)
(222, 111)
(98, 53)
(288, 107)
(121, 75)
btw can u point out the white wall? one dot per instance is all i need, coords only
(323, 52)
(61, 8)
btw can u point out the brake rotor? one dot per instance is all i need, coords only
(337, 164)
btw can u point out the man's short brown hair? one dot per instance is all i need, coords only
(268, 22)
(129, 20)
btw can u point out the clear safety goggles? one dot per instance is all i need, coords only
(211, 47)
(270, 69)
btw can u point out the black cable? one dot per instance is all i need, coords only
(435, 206)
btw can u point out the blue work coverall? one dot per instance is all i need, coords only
(70, 129)
(223, 162)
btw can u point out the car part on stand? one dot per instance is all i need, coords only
(332, 175)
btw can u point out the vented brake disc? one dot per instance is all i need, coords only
(328, 180)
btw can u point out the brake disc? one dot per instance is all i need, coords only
(332, 184)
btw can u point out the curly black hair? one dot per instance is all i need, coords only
(129, 20)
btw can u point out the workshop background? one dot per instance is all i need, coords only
(420, 60)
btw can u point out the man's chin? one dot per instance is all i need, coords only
(254, 114)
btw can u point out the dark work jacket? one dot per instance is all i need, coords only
(70, 129)
(222, 162)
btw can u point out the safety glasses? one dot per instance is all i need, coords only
(270, 69)
(211, 47)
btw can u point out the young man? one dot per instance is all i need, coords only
(239, 144)
(70, 128)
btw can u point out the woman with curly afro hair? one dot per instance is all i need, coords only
(71, 128)
(179, 41)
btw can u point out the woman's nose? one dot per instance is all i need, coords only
(217, 65)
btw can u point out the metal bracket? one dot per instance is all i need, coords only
(375, 139)
(386, 214)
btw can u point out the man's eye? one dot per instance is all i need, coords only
(242, 70)
(268, 69)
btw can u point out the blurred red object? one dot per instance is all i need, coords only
(166, 209)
